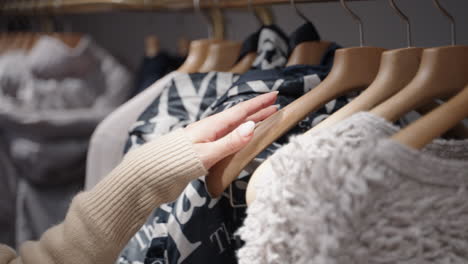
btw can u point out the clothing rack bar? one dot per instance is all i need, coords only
(26, 7)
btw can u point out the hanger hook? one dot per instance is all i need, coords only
(250, 5)
(199, 12)
(450, 18)
(357, 19)
(251, 9)
(299, 13)
(405, 19)
(217, 21)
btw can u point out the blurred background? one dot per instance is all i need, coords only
(97, 54)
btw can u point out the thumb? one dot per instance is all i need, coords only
(231, 143)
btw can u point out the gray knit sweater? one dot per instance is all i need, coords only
(342, 195)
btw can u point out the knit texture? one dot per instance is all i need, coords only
(101, 221)
(341, 195)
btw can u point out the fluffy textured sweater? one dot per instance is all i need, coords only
(101, 221)
(342, 196)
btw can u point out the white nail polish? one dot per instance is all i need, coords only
(246, 129)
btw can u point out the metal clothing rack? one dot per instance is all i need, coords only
(84, 6)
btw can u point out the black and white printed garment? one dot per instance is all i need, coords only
(182, 102)
(200, 229)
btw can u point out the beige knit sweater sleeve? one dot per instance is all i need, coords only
(100, 222)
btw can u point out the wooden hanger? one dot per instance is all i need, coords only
(197, 54)
(206, 55)
(244, 64)
(183, 46)
(442, 74)
(264, 15)
(32, 41)
(221, 56)
(459, 131)
(22, 44)
(151, 46)
(433, 125)
(198, 50)
(310, 52)
(353, 69)
(71, 39)
(397, 68)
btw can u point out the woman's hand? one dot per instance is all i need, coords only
(225, 133)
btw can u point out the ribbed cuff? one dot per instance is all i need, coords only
(154, 174)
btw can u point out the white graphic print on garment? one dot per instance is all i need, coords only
(272, 52)
(163, 122)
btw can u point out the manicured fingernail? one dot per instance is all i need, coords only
(276, 92)
(246, 129)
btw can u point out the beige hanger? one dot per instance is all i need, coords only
(183, 46)
(433, 125)
(442, 74)
(151, 46)
(198, 50)
(353, 69)
(23, 44)
(264, 15)
(459, 131)
(310, 52)
(221, 56)
(244, 64)
(217, 22)
(32, 41)
(69, 39)
(197, 54)
(397, 69)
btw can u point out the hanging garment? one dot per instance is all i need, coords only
(49, 107)
(338, 196)
(154, 68)
(181, 103)
(108, 139)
